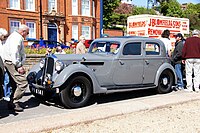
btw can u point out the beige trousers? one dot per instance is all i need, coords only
(192, 66)
(19, 79)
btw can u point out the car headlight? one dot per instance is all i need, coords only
(42, 61)
(59, 66)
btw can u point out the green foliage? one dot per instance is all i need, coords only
(143, 10)
(193, 13)
(171, 8)
(108, 11)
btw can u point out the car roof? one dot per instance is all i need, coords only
(124, 39)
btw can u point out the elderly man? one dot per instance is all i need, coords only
(80, 48)
(191, 54)
(14, 57)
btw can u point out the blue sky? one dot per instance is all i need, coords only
(144, 2)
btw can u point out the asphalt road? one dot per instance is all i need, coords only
(35, 108)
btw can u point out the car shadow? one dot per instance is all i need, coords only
(118, 96)
(95, 99)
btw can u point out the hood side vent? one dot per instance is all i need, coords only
(92, 63)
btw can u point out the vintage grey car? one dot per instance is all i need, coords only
(113, 64)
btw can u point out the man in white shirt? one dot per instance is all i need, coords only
(14, 57)
(80, 48)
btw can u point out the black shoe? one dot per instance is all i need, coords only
(11, 105)
(15, 107)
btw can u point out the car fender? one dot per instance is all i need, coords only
(163, 67)
(78, 68)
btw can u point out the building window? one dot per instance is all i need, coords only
(15, 4)
(75, 32)
(30, 5)
(74, 7)
(32, 30)
(86, 31)
(85, 7)
(14, 25)
(93, 8)
(52, 5)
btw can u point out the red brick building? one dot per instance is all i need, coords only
(61, 19)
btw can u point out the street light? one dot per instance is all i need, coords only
(41, 38)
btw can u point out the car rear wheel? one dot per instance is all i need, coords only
(165, 82)
(77, 92)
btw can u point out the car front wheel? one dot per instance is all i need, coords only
(77, 92)
(165, 82)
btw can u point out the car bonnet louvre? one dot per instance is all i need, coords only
(93, 63)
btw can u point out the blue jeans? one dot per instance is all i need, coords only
(179, 75)
(6, 87)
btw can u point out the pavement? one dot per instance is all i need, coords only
(97, 112)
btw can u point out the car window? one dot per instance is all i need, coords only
(152, 48)
(105, 47)
(132, 49)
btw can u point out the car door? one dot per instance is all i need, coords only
(129, 66)
(153, 59)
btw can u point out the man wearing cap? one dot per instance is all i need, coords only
(191, 54)
(177, 60)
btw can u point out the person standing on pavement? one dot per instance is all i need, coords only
(177, 60)
(6, 85)
(14, 57)
(80, 47)
(191, 54)
(166, 40)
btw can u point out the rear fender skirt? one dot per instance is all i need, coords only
(161, 69)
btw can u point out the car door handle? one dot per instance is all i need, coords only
(147, 62)
(121, 62)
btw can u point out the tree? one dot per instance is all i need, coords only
(108, 11)
(192, 12)
(122, 12)
(171, 8)
(143, 10)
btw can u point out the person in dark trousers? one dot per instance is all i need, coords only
(177, 60)
(191, 56)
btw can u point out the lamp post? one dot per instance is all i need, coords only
(101, 18)
(41, 38)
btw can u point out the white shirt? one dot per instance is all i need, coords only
(14, 49)
(168, 45)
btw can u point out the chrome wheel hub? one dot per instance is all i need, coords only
(77, 90)
(165, 81)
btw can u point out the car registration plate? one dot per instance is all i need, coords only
(38, 91)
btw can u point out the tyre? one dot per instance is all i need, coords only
(165, 82)
(77, 92)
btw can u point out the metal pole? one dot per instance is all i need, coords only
(41, 19)
(101, 18)
(41, 38)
